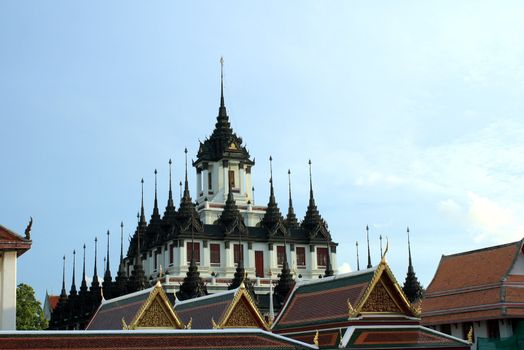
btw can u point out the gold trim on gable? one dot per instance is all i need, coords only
(155, 312)
(249, 304)
(400, 300)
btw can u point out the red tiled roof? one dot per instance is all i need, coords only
(474, 285)
(53, 301)
(11, 241)
(152, 340)
(473, 268)
(461, 300)
(446, 318)
(376, 337)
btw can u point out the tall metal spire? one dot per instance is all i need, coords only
(310, 183)
(107, 260)
(94, 283)
(73, 292)
(313, 223)
(271, 191)
(107, 284)
(409, 249)
(170, 199)
(142, 214)
(155, 206)
(83, 285)
(380, 237)
(291, 218)
(369, 252)
(121, 241)
(222, 104)
(63, 293)
(170, 212)
(358, 258)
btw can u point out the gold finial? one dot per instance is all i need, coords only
(470, 335)
(214, 324)
(385, 250)
(190, 323)
(351, 310)
(315, 339)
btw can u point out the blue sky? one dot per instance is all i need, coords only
(411, 113)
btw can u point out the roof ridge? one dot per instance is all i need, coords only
(482, 249)
(126, 296)
(205, 297)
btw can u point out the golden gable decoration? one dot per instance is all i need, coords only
(156, 312)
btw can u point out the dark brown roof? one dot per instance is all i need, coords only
(111, 312)
(152, 340)
(476, 285)
(10, 241)
(324, 302)
(409, 337)
(220, 309)
(201, 310)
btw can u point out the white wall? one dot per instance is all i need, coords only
(7, 290)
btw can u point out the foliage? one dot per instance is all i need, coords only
(29, 314)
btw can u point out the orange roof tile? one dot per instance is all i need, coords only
(11, 241)
(461, 300)
(461, 317)
(53, 301)
(473, 268)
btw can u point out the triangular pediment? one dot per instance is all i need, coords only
(384, 295)
(380, 300)
(156, 312)
(10, 236)
(243, 313)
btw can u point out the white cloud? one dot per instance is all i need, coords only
(374, 178)
(344, 267)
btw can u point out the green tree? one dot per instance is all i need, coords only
(29, 314)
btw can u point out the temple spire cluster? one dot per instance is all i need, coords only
(194, 242)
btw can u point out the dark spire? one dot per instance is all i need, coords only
(121, 276)
(142, 214)
(329, 268)
(291, 219)
(121, 241)
(380, 238)
(231, 220)
(240, 275)
(170, 213)
(187, 216)
(153, 233)
(273, 220)
(73, 292)
(223, 142)
(83, 285)
(63, 293)
(369, 253)
(95, 285)
(193, 285)
(107, 284)
(358, 258)
(285, 280)
(222, 110)
(313, 223)
(138, 279)
(412, 287)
